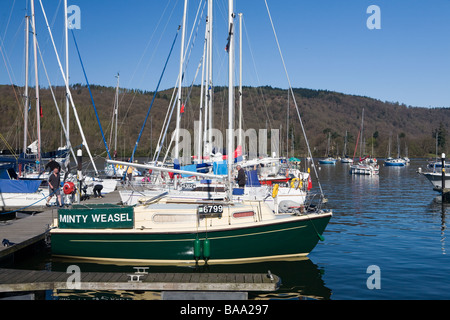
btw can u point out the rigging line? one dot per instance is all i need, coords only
(9, 75)
(186, 54)
(151, 38)
(157, 45)
(56, 103)
(292, 93)
(259, 88)
(184, 103)
(153, 100)
(90, 92)
(9, 19)
(66, 83)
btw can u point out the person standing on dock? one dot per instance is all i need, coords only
(54, 186)
(240, 177)
(130, 170)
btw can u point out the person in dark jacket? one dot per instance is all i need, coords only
(54, 186)
(240, 177)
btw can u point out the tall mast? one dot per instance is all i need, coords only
(66, 31)
(206, 137)
(116, 112)
(287, 126)
(230, 93)
(240, 81)
(27, 98)
(177, 130)
(38, 114)
(202, 87)
(210, 63)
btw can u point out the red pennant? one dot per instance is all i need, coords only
(40, 111)
(182, 108)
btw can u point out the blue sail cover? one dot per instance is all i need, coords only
(220, 168)
(19, 186)
(252, 179)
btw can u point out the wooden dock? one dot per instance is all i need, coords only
(12, 280)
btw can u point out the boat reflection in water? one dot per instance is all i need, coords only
(301, 279)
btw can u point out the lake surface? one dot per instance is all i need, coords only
(390, 221)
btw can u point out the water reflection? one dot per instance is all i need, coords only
(439, 208)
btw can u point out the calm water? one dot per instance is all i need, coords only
(389, 221)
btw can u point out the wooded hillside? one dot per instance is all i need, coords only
(324, 114)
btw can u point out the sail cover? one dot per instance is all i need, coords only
(19, 186)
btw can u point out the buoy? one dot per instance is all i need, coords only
(321, 238)
(275, 190)
(206, 249)
(197, 249)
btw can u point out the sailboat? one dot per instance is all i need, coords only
(365, 166)
(329, 159)
(346, 158)
(397, 162)
(190, 231)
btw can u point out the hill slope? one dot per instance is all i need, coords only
(322, 112)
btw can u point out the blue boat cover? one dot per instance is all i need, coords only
(220, 168)
(19, 186)
(252, 179)
(191, 167)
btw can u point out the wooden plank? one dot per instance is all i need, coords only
(5, 274)
(248, 278)
(23, 280)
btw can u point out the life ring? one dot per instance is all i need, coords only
(275, 190)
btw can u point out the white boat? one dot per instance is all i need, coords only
(366, 165)
(21, 194)
(397, 162)
(346, 160)
(284, 197)
(364, 169)
(436, 179)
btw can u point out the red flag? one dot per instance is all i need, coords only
(238, 152)
(309, 183)
(182, 108)
(40, 111)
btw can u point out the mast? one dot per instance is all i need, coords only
(27, 98)
(116, 113)
(66, 83)
(240, 81)
(287, 127)
(207, 124)
(38, 114)
(230, 94)
(66, 31)
(200, 126)
(210, 68)
(177, 129)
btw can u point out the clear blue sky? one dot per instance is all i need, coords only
(326, 45)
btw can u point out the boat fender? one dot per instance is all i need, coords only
(295, 183)
(206, 249)
(275, 190)
(197, 249)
